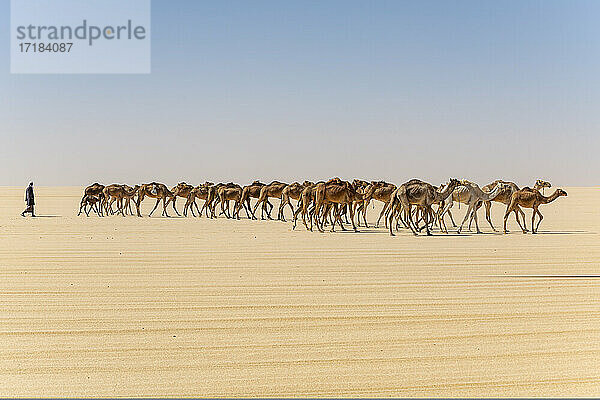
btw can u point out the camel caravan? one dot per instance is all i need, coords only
(415, 205)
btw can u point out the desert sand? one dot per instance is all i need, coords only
(195, 307)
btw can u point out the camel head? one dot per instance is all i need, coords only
(542, 184)
(453, 183)
(560, 192)
(257, 183)
(335, 180)
(307, 183)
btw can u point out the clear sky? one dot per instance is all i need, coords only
(296, 90)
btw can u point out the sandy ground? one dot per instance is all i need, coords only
(194, 307)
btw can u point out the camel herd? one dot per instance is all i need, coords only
(410, 205)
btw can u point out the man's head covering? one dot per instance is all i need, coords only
(30, 183)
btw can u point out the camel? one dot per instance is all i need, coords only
(128, 195)
(305, 201)
(531, 199)
(181, 190)
(421, 194)
(119, 193)
(505, 196)
(227, 193)
(380, 191)
(213, 199)
(469, 193)
(337, 192)
(95, 190)
(359, 186)
(252, 191)
(274, 190)
(293, 191)
(156, 191)
(92, 201)
(199, 192)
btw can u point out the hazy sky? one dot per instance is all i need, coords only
(311, 89)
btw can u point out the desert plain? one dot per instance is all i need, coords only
(160, 306)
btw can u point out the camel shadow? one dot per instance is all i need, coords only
(47, 216)
(562, 232)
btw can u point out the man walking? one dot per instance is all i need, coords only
(29, 200)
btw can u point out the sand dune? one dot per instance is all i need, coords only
(194, 307)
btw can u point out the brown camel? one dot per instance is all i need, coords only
(337, 192)
(181, 190)
(93, 202)
(305, 201)
(504, 197)
(156, 191)
(273, 190)
(214, 199)
(531, 199)
(199, 192)
(293, 191)
(421, 194)
(252, 191)
(229, 192)
(380, 191)
(360, 186)
(94, 190)
(120, 194)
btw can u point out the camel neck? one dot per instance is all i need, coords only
(550, 198)
(447, 192)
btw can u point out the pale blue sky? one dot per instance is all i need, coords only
(311, 89)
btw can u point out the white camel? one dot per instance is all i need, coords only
(469, 193)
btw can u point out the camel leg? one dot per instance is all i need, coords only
(523, 217)
(327, 213)
(533, 221)
(165, 204)
(82, 205)
(260, 200)
(268, 204)
(381, 214)
(156, 205)
(352, 219)
(506, 214)
(174, 199)
(524, 226)
(204, 208)
(476, 207)
(282, 204)
(488, 216)
(476, 220)
(467, 215)
(120, 206)
(358, 210)
(409, 219)
(391, 217)
(316, 211)
(248, 215)
(541, 217)
(186, 206)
